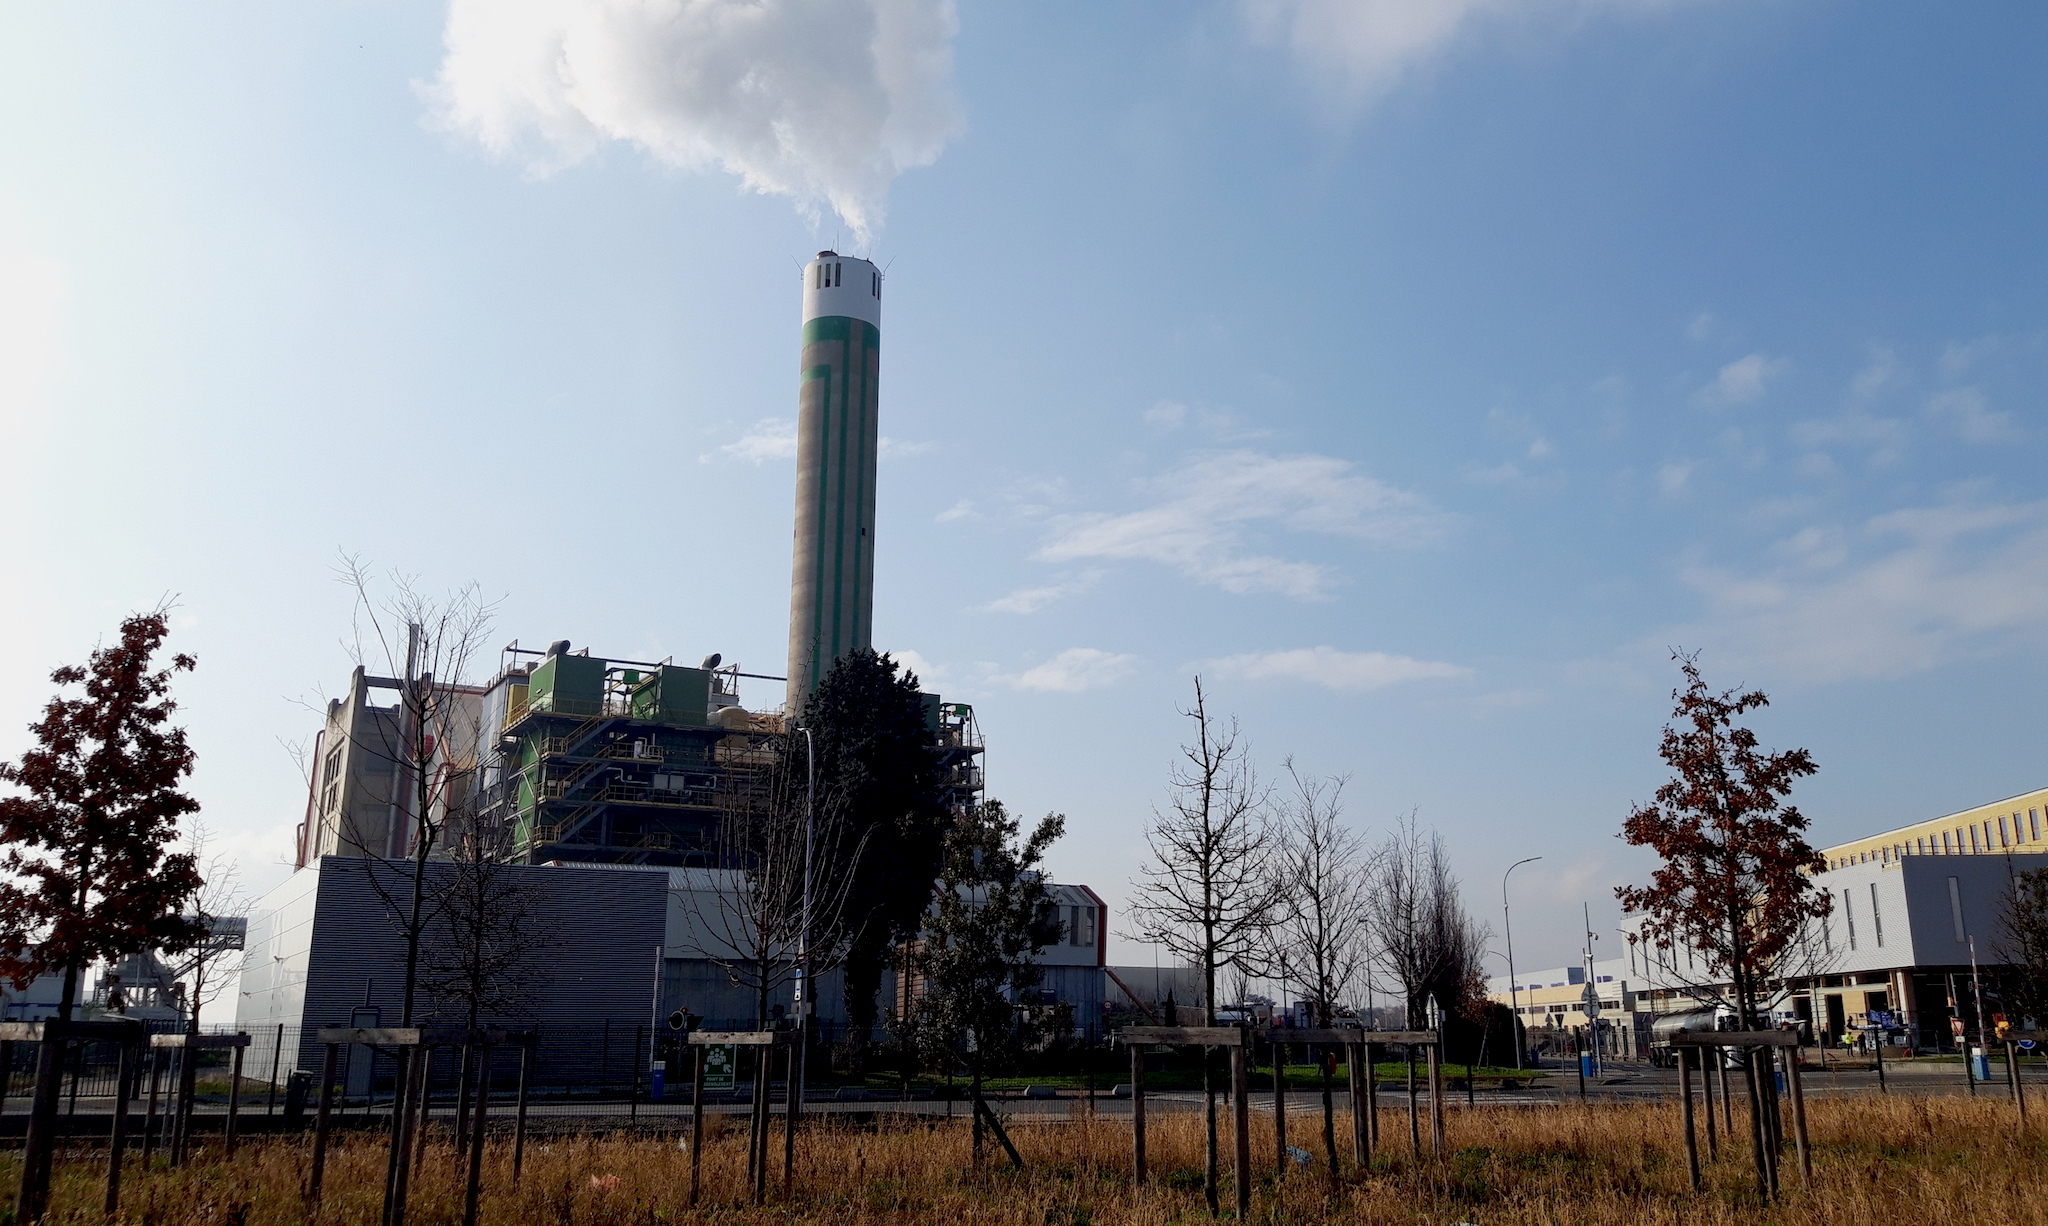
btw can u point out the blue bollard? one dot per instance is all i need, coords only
(654, 1085)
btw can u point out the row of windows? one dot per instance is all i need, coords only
(830, 276)
(1973, 839)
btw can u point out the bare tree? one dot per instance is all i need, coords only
(1323, 870)
(1425, 942)
(428, 645)
(2022, 943)
(1210, 895)
(207, 965)
(482, 956)
(773, 909)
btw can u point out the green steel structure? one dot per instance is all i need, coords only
(615, 761)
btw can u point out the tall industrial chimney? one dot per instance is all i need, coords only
(832, 577)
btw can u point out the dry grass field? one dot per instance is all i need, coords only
(1929, 1162)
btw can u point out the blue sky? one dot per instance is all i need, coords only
(1417, 372)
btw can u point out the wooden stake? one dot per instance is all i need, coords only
(519, 1128)
(234, 1098)
(119, 1140)
(1799, 1135)
(476, 1135)
(1240, 1103)
(1138, 1114)
(696, 1127)
(320, 1129)
(1692, 1144)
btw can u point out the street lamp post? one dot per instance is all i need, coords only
(1507, 924)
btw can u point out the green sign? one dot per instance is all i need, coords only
(721, 1063)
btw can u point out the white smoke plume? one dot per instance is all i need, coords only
(823, 101)
(1360, 49)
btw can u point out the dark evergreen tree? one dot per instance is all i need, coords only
(877, 755)
(993, 916)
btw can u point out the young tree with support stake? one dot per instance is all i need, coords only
(1210, 896)
(87, 873)
(992, 917)
(1736, 887)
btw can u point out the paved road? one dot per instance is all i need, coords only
(1625, 1083)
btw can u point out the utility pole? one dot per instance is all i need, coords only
(1508, 927)
(1592, 1009)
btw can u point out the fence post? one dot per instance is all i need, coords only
(276, 1058)
(1436, 1100)
(2012, 1074)
(156, 1076)
(639, 1042)
(234, 1100)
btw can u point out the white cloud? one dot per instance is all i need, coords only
(1959, 356)
(1672, 478)
(823, 101)
(1333, 669)
(1032, 599)
(1074, 670)
(898, 449)
(771, 438)
(1167, 415)
(1963, 409)
(1742, 380)
(1880, 372)
(1898, 594)
(1202, 523)
(1883, 437)
(963, 509)
(1360, 49)
(929, 675)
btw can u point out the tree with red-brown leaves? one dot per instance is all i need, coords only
(87, 872)
(1736, 885)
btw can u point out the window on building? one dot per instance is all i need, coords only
(2002, 840)
(1876, 917)
(1955, 910)
(1849, 919)
(1973, 840)
(2034, 825)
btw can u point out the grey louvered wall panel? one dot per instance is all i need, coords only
(594, 981)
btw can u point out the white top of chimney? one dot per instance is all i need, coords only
(846, 285)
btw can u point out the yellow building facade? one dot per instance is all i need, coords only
(2015, 824)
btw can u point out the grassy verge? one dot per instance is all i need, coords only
(1947, 1161)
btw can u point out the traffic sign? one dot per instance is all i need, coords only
(1591, 1007)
